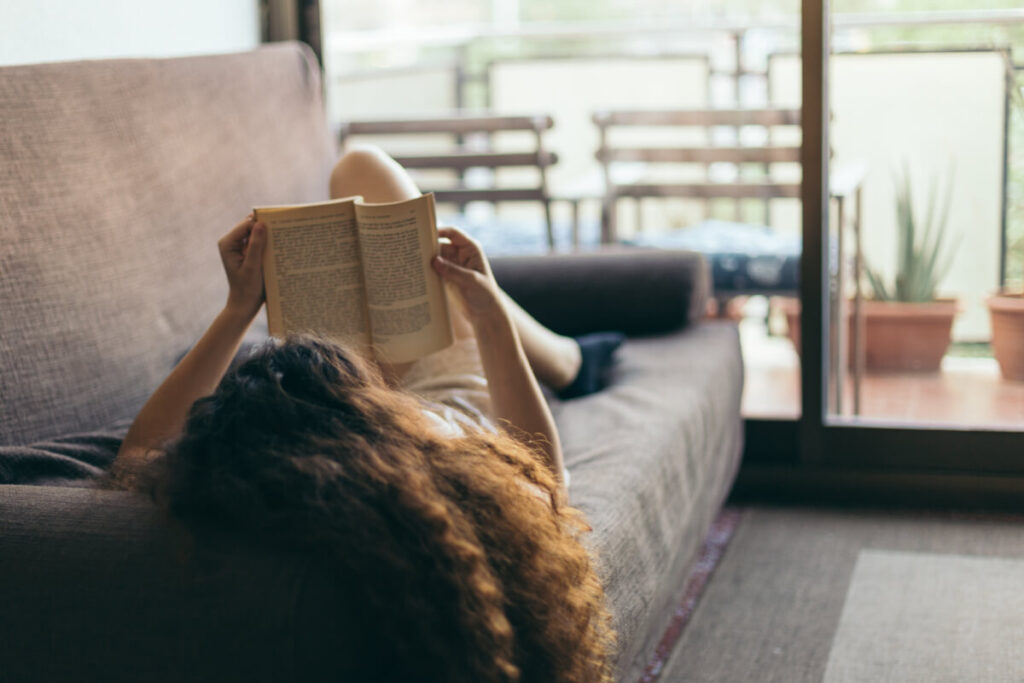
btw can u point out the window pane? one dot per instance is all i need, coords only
(927, 104)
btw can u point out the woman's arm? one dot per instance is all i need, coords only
(199, 372)
(515, 394)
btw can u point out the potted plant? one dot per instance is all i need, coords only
(906, 328)
(1006, 307)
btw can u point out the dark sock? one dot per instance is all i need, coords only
(596, 352)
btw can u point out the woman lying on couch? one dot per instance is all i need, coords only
(451, 538)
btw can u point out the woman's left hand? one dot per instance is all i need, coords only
(241, 252)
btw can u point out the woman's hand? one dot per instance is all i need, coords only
(463, 265)
(516, 397)
(200, 371)
(241, 252)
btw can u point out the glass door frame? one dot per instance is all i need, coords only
(811, 442)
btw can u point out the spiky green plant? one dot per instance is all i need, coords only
(919, 247)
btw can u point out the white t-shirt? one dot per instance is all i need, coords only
(453, 390)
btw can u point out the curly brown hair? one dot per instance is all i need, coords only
(465, 559)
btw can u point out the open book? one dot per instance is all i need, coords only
(358, 273)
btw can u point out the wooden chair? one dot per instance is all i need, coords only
(845, 183)
(764, 156)
(468, 144)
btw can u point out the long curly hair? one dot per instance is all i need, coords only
(464, 558)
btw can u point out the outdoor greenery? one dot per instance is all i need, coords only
(970, 350)
(921, 257)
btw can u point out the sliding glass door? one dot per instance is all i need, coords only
(913, 236)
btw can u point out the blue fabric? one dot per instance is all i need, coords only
(514, 237)
(745, 259)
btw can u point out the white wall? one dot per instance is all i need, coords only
(62, 30)
(936, 113)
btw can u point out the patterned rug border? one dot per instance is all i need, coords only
(711, 553)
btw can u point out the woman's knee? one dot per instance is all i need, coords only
(368, 171)
(361, 158)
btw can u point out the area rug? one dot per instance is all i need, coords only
(926, 617)
(721, 532)
(815, 595)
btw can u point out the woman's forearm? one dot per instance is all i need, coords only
(197, 375)
(515, 394)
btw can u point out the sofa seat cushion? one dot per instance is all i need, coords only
(652, 458)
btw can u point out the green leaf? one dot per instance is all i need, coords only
(920, 261)
(877, 284)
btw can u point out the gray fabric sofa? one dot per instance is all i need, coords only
(116, 179)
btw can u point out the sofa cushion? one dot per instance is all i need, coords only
(654, 473)
(632, 290)
(117, 177)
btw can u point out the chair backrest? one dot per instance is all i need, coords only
(572, 87)
(461, 144)
(737, 155)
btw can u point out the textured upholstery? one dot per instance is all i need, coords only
(102, 586)
(99, 588)
(634, 291)
(652, 457)
(116, 179)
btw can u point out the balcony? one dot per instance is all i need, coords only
(933, 97)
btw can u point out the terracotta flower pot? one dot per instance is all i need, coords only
(1007, 312)
(907, 337)
(898, 336)
(790, 307)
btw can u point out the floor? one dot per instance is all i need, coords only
(804, 594)
(966, 392)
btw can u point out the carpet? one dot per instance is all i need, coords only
(719, 536)
(807, 594)
(925, 617)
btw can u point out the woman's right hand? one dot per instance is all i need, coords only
(241, 252)
(463, 264)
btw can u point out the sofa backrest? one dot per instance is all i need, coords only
(117, 177)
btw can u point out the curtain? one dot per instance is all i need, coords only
(292, 20)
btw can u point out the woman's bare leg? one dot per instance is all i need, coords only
(369, 172)
(555, 359)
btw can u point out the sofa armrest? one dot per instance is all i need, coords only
(635, 291)
(99, 586)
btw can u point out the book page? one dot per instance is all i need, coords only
(312, 272)
(405, 297)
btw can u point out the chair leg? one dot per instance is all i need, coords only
(549, 224)
(575, 223)
(608, 229)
